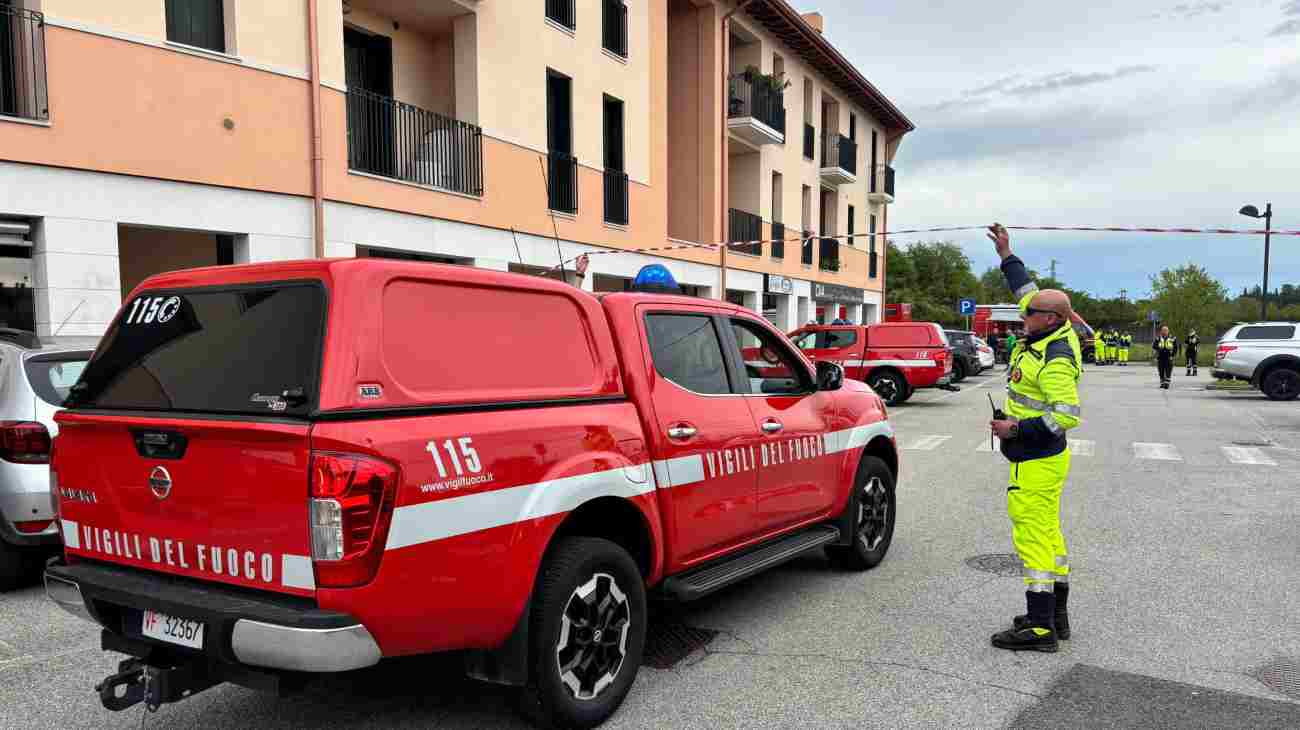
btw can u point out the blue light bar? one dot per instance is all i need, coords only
(655, 278)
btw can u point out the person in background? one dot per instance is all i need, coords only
(1125, 342)
(1192, 342)
(1166, 349)
(1011, 347)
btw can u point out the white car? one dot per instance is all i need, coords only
(35, 376)
(985, 353)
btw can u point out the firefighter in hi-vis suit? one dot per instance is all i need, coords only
(1042, 404)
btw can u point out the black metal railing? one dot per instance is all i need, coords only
(23, 90)
(751, 95)
(778, 240)
(614, 27)
(744, 226)
(393, 139)
(828, 254)
(809, 141)
(616, 197)
(562, 12)
(562, 182)
(888, 175)
(840, 151)
(806, 249)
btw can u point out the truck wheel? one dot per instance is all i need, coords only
(588, 631)
(890, 386)
(873, 509)
(1281, 383)
(15, 567)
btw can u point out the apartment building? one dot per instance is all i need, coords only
(146, 135)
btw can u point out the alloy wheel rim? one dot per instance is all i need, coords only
(593, 636)
(873, 513)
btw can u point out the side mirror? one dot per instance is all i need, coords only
(830, 376)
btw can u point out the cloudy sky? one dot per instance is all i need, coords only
(1114, 113)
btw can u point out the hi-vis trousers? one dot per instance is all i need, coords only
(1034, 505)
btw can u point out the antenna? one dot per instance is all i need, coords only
(516, 239)
(65, 319)
(1054, 263)
(546, 190)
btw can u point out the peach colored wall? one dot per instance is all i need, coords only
(135, 109)
(143, 252)
(266, 32)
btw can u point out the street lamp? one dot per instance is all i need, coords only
(1267, 215)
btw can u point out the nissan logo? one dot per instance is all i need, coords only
(160, 482)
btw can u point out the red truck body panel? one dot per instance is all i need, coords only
(420, 369)
(919, 350)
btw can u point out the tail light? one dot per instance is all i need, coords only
(32, 527)
(352, 500)
(24, 442)
(54, 482)
(1223, 351)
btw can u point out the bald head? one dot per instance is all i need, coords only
(1041, 308)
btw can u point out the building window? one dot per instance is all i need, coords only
(853, 127)
(614, 33)
(873, 161)
(852, 212)
(806, 246)
(615, 176)
(562, 12)
(778, 216)
(198, 23)
(562, 175)
(871, 263)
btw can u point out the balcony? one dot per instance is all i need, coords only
(23, 90)
(839, 160)
(806, 248)
(562, 182)
(756, 109)
(809, 141)
(882, 186)
(778, 241)
(396, 140)
(616, 197)
(828, 254)
(744, 226)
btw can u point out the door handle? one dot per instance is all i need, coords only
(681, 431)
(772, 426)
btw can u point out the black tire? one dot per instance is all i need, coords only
(15, 566)
(958, 371)
(890, 386)
(571, 565)
(873, 504)
(1281, 383)
(907, 394)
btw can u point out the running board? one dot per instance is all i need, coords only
(703, 581)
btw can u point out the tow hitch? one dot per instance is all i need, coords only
(137, 682)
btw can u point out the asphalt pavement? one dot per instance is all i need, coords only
(1182, 516)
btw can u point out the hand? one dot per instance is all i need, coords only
(1001, 239)
(581, 265)
(1002, 429)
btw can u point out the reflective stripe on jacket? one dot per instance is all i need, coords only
(1043, 394)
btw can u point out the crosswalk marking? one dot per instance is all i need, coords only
(1247, 455)
(1082, 447)
(924, 443)
(1160, 452)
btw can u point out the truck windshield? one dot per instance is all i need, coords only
(246, 350)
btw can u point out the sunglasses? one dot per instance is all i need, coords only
(1031, 311)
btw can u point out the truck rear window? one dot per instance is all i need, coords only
(247, 350)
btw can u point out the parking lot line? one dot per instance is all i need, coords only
(1161, 452)
(925, 443)
(1082, 447)
(1247, 455)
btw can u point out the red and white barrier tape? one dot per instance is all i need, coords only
(951, 229)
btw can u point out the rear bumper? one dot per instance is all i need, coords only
(241, 627)
(944, 379)
(25, 496)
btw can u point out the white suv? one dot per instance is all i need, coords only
(1265, 353)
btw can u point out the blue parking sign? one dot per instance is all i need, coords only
(965, 306)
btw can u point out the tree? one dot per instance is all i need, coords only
(1188, 297)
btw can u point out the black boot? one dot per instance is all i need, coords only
(1039, 634)
(1060, 617)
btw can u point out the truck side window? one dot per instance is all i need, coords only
(836, 339)
(686, 350)
(771, 368)
(806, 341)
